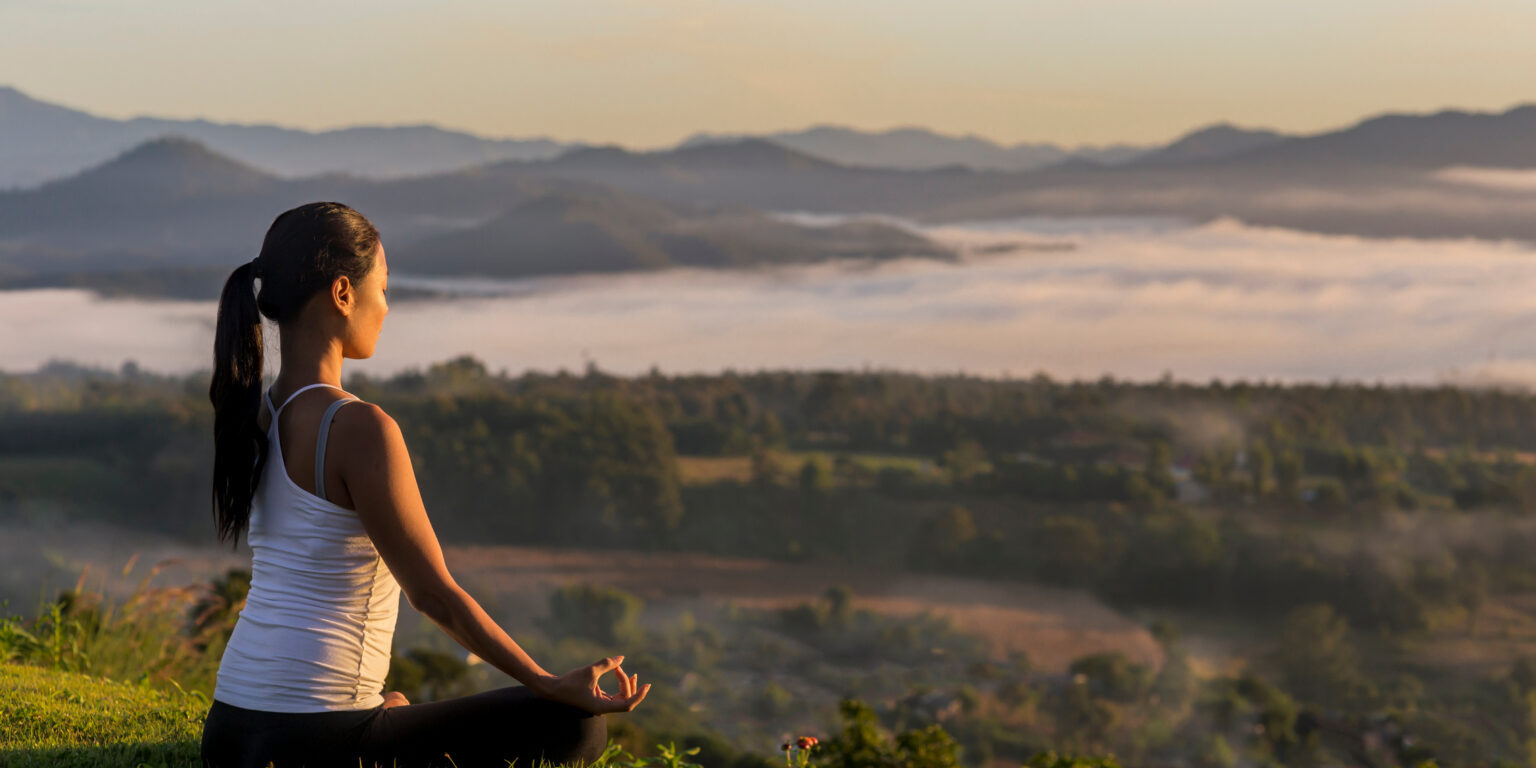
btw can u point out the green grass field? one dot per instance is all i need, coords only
(65, 719)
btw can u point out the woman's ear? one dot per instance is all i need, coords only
(343, 295)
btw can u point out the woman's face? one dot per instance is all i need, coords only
(369, 306)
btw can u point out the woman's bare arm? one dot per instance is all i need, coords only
(376, 468)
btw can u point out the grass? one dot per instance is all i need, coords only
(61, 719)
(148, 637)
(91, 681)
(51, 718)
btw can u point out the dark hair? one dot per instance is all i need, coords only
(305, 250)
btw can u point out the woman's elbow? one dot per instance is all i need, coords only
(434, 604)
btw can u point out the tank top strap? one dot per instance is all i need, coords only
(325, 433)
(296, 394)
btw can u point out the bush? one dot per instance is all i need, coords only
(602, 614)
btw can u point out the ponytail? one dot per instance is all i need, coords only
(305, 250)
(239, 445)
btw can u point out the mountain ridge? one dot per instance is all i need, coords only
(41, 142)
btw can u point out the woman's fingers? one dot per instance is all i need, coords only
(626, 683)
(635, 701)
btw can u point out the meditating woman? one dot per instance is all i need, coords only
(321, 483)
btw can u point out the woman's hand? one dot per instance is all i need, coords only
(394, 699)
(579, 688)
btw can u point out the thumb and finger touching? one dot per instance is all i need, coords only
(630, 693)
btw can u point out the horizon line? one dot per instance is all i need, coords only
(772, 133)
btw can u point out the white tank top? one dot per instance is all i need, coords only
(316, 628)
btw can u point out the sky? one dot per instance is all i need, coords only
(647, 73)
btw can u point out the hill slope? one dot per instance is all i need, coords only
(599, 231)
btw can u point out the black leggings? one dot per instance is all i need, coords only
(486, 729)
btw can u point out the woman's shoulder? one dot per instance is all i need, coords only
(365, 420)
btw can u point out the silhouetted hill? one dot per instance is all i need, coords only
(761, 174)
(590, 231)
(922, 149)
(40, 142)
(1211, 143)
(1495, 140)
(173, 166)
(165, 201)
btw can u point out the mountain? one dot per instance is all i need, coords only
(159, 199)
(921, 149)
(172, 217)
(40, 142)
(760, 174)
(1213, 142)
(177, 204)
(566, 232)
(1375, 179)
(1488, 139)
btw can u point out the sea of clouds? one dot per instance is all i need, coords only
(1078, 299)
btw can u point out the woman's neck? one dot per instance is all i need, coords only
(308, 358)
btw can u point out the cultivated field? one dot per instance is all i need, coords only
(1053, 626)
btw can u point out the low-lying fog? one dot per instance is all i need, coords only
(1132, 298)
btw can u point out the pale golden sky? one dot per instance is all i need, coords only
(647, 73)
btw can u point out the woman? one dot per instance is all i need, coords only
(334, 518)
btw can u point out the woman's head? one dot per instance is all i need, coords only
(322, 266)
(321, 270)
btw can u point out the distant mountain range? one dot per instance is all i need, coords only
(40, 142)
(173, 215)
(922, 149)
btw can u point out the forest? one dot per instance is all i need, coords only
(1351, 533)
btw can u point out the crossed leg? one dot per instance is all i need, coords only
(489, 729)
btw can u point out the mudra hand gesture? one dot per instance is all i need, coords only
(579, 688)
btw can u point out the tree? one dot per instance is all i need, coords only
(1113, 676)
(839, 605)
(765, 470)
(423, 674)
(943, 539)
(1472, 591)
(861, 745)
(1159, 468)
(1261, 466)
(1068, 550)
(1288, 474)
(814, 477)
(1318, 662)
(602, 614)
(964, 462)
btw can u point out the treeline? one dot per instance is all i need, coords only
(511, 451)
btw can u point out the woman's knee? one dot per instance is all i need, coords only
(591, 739)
